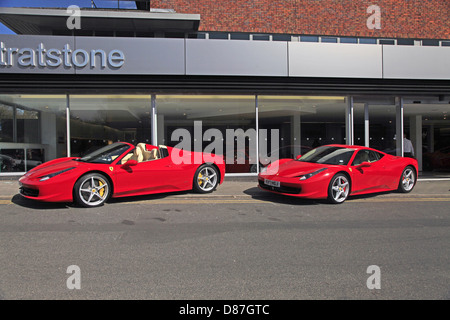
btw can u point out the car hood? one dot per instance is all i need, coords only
(294, 168)
(53, 166)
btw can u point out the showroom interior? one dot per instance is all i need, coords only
(41, 127)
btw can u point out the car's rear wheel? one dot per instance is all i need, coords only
(338, 188)
(407, 180)
(206, 179)
(92, 190)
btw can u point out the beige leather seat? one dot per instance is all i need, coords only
(145, 154)
(154, 154)
(143, 151)
(138, 155)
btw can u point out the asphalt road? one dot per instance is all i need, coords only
(247, 245)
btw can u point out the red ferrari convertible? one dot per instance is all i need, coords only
(121, 169)
(334, 172)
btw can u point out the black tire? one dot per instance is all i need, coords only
(92, 190)
(206, 179)
(338, 189)
(407, 180)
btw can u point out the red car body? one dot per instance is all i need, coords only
(124, 176)
(313, 180)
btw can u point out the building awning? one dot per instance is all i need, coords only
(44, 21)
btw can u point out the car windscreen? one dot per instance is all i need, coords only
(106, 154)
(328, 155)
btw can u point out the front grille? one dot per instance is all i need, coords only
(29, 192)
(281, 189)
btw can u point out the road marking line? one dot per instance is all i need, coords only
(234, 201)
(197, 201)
(255, 201)
(400, 200)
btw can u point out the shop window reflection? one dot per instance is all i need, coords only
(231, 113)
(28, 126)
(99, 120)
(6, 123)
(428, 127)
(12, 160)
(35, 124)
(304, 122)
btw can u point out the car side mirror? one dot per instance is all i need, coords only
(298, 157)
(363, 165)
(130, 163)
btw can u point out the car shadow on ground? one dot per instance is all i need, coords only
(148, 197)
(262, 195)
(34, 204)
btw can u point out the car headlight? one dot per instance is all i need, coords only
(51, 175)
(311, 174)
(264, 169)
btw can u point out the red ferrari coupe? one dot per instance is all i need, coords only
(334, 172)
(121, 169)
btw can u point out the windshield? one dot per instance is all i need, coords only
(106, 154)
(328, 155)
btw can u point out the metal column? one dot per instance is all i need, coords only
(349, 122)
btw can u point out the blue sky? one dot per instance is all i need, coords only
(62, 4)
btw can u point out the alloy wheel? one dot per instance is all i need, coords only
(206, 179)
(339, 189)
(408, 179)
(93, 190)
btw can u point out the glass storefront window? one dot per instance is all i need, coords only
(6, 123)
(12, 160)
(33, 128)
(382, 128)
(231, 119)
(34, 158)
(35, 125)
(303, 123)
(99, 120)
(378, 116)
(28, 125)
(427, 125)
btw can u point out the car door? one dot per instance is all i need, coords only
(366, 172)
(146, 176)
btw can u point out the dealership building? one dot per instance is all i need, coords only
(285, 74)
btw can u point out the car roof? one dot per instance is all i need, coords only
(356, 147)
(343, 146)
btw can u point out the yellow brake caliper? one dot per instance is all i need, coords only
(200, 181)
(102, 190)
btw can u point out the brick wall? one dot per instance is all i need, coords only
(418, 19)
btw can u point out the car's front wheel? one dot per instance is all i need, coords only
(92, 190)
(338, 188)
(206, 179)
(407, 180)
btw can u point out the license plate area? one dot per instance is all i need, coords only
(272, 183)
